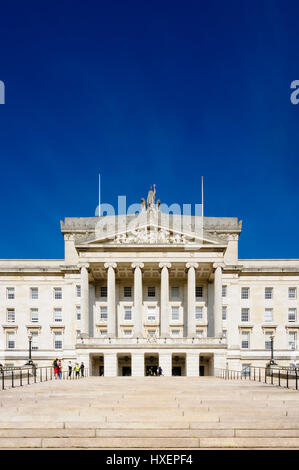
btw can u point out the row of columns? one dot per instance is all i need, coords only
(164, 299)
(138, 367)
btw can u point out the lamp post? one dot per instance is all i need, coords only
(30, 361)
(272, 362)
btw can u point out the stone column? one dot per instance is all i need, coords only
(110, 365)
(217, 301)
(111, 304)
(192, 364)
(164, 299)
(191, 298)
(137, 364)
(138, 313)
(84, 299)
(165, 363)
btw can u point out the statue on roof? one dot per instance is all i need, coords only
(150, 202)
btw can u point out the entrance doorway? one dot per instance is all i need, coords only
(178, 364)
(206, 365)
(124, 365)
(151, 363)
(97, 364)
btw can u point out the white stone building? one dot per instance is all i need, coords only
(137, 291)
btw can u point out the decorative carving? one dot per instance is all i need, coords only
(137, 265)
(151, 236)
(150, 202)
(165, 265)
(191, 265)
(110, 265)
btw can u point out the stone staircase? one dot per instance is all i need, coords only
(149, 412)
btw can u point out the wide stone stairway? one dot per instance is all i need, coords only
(149, 412)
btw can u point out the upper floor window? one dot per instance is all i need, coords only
(103, 333)
(245, 314)
(128, 313)
(224, 291)
(292, 293)
(224, 312)
(127, 291)
(58, 340)
(268, 341)
(57, 315)
(175, 313)
(175, 292)
(268, 292)
(103, 291)
(268, 314)
(224, 334)
(34, 340)
(128, 332)
(245, 340)
(34, 314)
(103, 313)
(175, 333)
(11, 316)
(199, 291)
(151, 291)
(151, 313)
(57, 293)
(10, 292)
(199, 333)
(78, 291)
(198, 313)
(292, 314)
(34, 293)
(245, 293)
(78, 312)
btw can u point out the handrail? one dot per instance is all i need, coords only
(279, 376)
(11, 377)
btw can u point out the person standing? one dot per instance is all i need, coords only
(77, 370)
(55, 367)
(82, 369)
(70, 368)
(159, 370)
(59, 369)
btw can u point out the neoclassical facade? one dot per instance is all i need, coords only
(137, 291)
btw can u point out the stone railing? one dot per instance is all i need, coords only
(201, 342)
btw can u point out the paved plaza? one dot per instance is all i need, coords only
(149, 412)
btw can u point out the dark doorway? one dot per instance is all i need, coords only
(201, 370)
(126, 371)
(176, 371)
(151, 370)
(101, 371)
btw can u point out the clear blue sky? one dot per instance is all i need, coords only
(149, 92)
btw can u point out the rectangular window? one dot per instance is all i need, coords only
(268, 335)
(175, 313)
(34, 293)
(34, 344)
(198, 313)
(245, 314)
(199, 291)
(128, 313)
(268, 293)
(151, 291)
(151, 332)
(199, 333)
(245, 340)
(34, 315)
(292, 314)
(128, 332)
(175, 333)
(151, 313)
(57, 315)
(103, 291)
(78, 291)
(224, 312)
(127, 291)
(78, 333)
(268, 314)
(57, 293)
(224, 291)
(245, 370)
(11, 344)
(10, 292)
(224, 334)
(11, 317)
(292, 340)
(78, 312)
(245, 293)
(103, 333)
(58, 340)
(175, 292)
(292, 293)
(103, 313)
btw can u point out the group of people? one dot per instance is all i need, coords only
(78, 369)
(152, 371)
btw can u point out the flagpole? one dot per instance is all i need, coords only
(202, 196)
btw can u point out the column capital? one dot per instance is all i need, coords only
(137, 265)
(164, 265)
(110, 265)
(83, 265)
(191, 265)
(217, 265)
